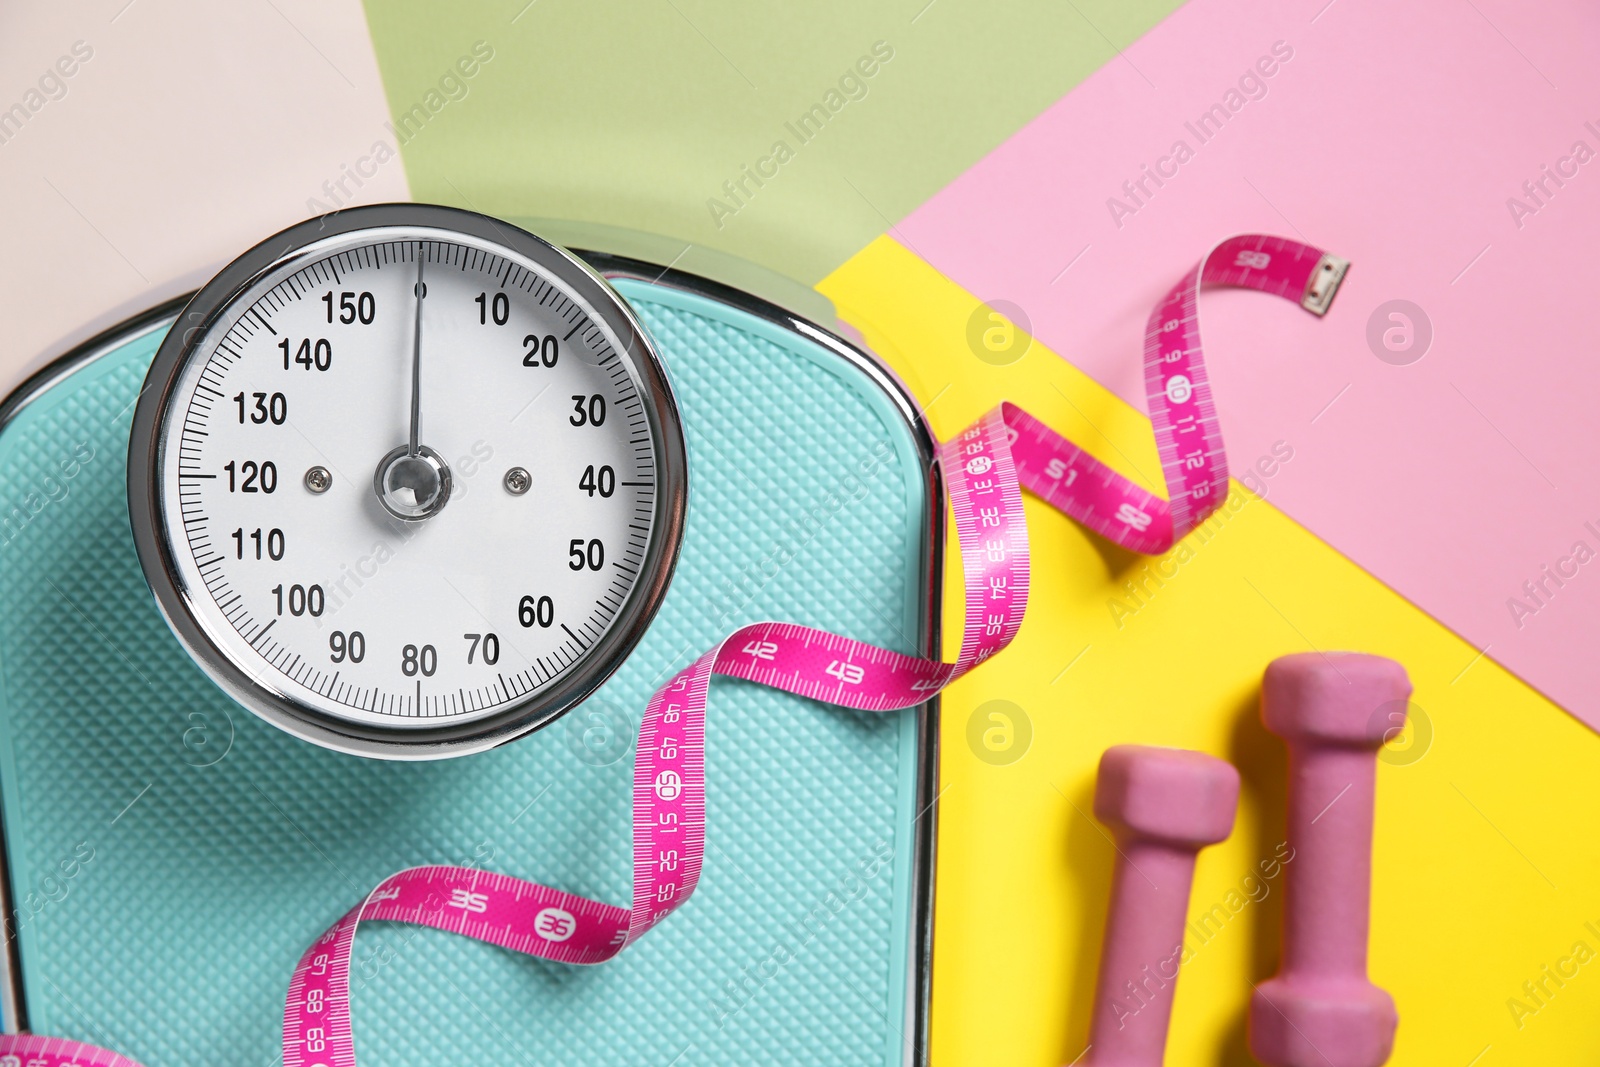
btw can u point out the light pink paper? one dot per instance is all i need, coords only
(1394, 135)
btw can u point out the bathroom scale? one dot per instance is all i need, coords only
(179, 825)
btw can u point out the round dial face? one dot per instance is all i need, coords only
(412, 488)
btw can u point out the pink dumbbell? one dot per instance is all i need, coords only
(1163, 805)
(1321, 1010)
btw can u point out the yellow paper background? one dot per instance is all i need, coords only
(1486, 866)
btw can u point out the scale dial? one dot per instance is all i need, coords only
(407, 481)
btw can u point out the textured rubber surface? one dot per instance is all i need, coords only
(221, 847)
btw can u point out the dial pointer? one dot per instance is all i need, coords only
(413, 481)
(416, 359)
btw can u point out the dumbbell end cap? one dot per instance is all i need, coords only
(1167, 794)
(1321, 1023)
(1342, 698)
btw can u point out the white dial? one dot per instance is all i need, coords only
(415, 489)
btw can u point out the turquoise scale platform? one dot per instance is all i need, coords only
(221, 847)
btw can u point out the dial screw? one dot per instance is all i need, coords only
(318, 480)
(518, 481)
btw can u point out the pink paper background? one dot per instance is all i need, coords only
(1394, 136)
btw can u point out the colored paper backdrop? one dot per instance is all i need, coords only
(939, 155)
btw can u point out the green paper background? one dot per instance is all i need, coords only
(634, 114)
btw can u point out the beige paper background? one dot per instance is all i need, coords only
(194, 131)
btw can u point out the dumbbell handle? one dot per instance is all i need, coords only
(1333, 711)
(1143, 948)
(1326, 885)
(1162, 805)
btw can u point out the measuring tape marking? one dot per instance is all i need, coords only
(983, 466)
(1183, 413)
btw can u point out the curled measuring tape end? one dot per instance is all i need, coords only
(1183, 415)
(983, 466)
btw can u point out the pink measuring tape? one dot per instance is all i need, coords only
(983, 468)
